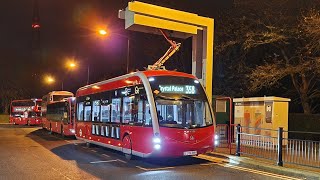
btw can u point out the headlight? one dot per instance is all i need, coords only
(216, 140)
(72, 131)
(216, 137)
(156, 140)
(157, 146)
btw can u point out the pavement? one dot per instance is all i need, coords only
(269, 165)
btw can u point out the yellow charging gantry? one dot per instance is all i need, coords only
(149, 18)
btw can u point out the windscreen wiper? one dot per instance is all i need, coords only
(187, 98)
(164, 97)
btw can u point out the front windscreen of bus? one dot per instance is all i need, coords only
(60, 97)
(181, 102)
(23, 103)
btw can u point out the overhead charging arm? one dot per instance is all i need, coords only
(173, 48)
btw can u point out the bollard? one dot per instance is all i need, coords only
(280, 138)
(238, 140)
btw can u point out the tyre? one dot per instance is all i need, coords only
(50, 129)
(127, 147)
(62, 134)
(88, 145)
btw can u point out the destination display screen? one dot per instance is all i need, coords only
(21, 109)
(180, 89)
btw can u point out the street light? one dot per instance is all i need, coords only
(48, 79)
(72, 64)
(103, 32)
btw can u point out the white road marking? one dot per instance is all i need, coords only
(61, 173)
(258, 172)
(96, 162)
(154, 169)
(208, 164)
(105, 155)
(121, 161)
(224, 163)
(93, 150)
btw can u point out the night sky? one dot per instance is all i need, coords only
(67, 30)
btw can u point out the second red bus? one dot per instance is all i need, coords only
(60, 116)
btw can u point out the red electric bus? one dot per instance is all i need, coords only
(25, 112)
(154, 113)
(60, 116)
(51, 97)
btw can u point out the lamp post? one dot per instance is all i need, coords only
(88, 74)
(103, 32)
(128, 48)
(70, 65)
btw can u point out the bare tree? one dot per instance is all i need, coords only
(303, 67)
(267, 42)
(8, 92)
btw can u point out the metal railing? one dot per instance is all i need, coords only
(301, 151)
(277, 145)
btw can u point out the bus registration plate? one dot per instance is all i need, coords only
(189, 153)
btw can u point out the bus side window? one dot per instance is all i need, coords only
(148, 120)
(105, 111)
(80, 111)
(140, 111)
(87, 113)
(96, 111)
(127, 109)
(115, 110)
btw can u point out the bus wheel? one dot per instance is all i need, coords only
(50, 129)
(88, 144)
(127, 147)
(62, 134)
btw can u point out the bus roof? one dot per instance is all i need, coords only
(60, 92)
(21, 100)
(148, 73)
